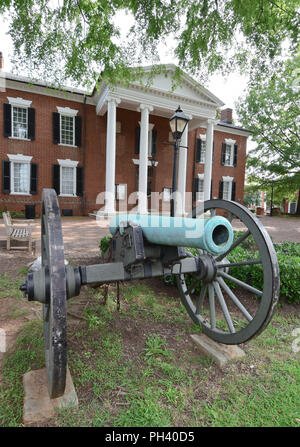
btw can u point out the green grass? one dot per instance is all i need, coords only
(137, 367)
(10, 287)
(27, 354)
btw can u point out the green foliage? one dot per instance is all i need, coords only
(27, 354)
(104, 243)
(12, 213)
(9, 287)
(156, 346)
(79, 40)
(271, 112)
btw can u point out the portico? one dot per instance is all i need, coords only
(157, 100)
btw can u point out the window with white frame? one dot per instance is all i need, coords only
(200, 188)
(167, 193)
(68, 177)
(19, 122)
(121, 189)
(19, 174)
(226, 190)
(229, 152)
(228, 155)
(203, 148)
(150, 128)
(227, 187)
(67, 130)
(19, 117)
(67, 125)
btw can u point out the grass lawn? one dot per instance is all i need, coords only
(139, 367)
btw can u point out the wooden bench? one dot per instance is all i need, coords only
(17, 233)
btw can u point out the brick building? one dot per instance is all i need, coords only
(115, 142)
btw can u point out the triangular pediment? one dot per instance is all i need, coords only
(187, 88)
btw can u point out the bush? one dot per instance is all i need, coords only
(13, 214)
(104, 243)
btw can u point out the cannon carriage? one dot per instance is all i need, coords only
(194, 250)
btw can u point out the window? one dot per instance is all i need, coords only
(67, 134)
(19, 122)
(203, 150)
(20, 174)
(20, 178)
(19, 119)
(121, 191)
(200, 188)
(152, 139)
(226, 190)
(67, 181)
(229, 153)
(167, 192)
(68, 177)
(66, 127)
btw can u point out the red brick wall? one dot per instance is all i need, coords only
(45, 153)
(218, 170)
(42, 149)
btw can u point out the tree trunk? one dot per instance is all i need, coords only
(298, 204)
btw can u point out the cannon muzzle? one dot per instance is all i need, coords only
(214, 234)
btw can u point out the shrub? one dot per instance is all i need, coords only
(104, 243)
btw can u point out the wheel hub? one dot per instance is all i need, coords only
(207, 267)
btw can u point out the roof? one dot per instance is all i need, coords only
(231, 126)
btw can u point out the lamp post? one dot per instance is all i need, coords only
(271, 207)
(178, 123)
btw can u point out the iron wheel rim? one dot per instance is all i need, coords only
(271, 282)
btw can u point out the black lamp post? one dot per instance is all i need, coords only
(271, 207)
(178, 123)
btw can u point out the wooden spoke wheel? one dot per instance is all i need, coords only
(227, 302)
(54, 310)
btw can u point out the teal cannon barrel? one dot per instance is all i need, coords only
(214, 234)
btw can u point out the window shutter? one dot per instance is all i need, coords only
(7, 119)
(33, 178)
(235, 155)
(31, 123)
(210, 189)
(233, 191)
(213, 154)
(221, 190)
(223, 154)
(79, 181)
(56, 127)
(198, 150)
(195, 188)
(78, 126)
(56, 178)
(5, 177)
(137, 140)
(154, 139)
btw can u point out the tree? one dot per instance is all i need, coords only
(76, 40)
(271, 112)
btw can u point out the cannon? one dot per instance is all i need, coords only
(193, 250)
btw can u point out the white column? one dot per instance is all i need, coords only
(143, 162)
(110, 155)
(208, 158)
(180, 202)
